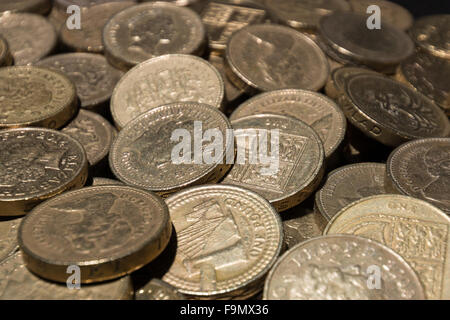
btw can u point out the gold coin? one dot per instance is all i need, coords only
(106, 231)
(431, 34)
(6, 58)
(35, 6)
(157, 289)
(8, 236)
(99, 181)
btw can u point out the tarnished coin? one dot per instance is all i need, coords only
(157, 289)
(421, 169)
(232, 93)
(152, 29)
(34, 96)
(17, 283)
(348, 184)
(316, 110)
(341, 267)
(413, 228)
(391, 112)
(265, 57)
(303, 14)
(8, 236)
(431, 33)
(143, 153)
(99, 181)
(34, 6)
(163, 80)
(347, 35)
(93, 77)
(6, 59)
(37, 164)
(288, 173)
(30, 36)
(228, 238)
(428, 75)
(89, 37)
(95, 134)
(338, 78)
(391, 12)
(300, 226)
(106, 231)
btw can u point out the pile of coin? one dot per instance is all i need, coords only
(223, 149)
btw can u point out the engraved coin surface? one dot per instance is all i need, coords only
(152, 29)
(36, 164)
(164, 80)
(431, 34)
(34, 96)
(290, 176)
(6, 59)
(421, 169)
(316, 110)
(8, 237)
(338, 78)
(94, 133)
(108, 231)
(34, 6)
(415, 229)
(142, 154)
(301, 226)
(18, 283)
(93, 77)
(338, 267)
(265, 57)
(26, 46)
(228, 238)
(157, 289)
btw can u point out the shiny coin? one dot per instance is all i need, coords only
(164, 80)
(37, 164)
(34, 6)
(286, 176)
(431, 34)
(30, 36)
(17, 283)
(143, 153)
(99, 181)
(391, 112)
(106, 231)
(341, 267)
(347, 35)
(231, 92)
(267, 57)
(228, 238)
(93, 77)
(6, 58)
(421, 169)
(152, 29)
(300, 226)
(413, 228)
(34, 96)
(8, 237)
(336, 83)
(157, 289)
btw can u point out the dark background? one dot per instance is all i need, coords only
(425, 7)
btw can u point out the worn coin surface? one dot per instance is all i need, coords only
(431, 34)
(37, 164)
(265, 57)
(34, 96)
(391, 112)
(300, 226)
(415, 229)
(152, 29)
(17, 282)
(157, 289)
(228, 238)
(285, 176)
(108, 231)
(30, 36)
(421, 169)
(8, 236)
(143, 153)
(163, 80)
(338, 78)
(6, 58)
(347, 35)
(339, 267)
(34, 6)
(93, 77)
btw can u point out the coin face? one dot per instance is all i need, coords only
(6, 58)
(267, 57)
(431, 34)
(340, 267)
(108, 231)
(336, 83)
(287, 177)
(413, 228)
(157, 289)
(16, 282)
(164, 80)
(316, 110)
(152, 29)
(347, 35)
(232, 93)
(143, 153)
(301, 226)
(348, 184)
(28, 47)
(35, 6)
(34, 96)
(94, 133)
(421, 169)
(228, 238)
(390, 112)
(8, 237)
